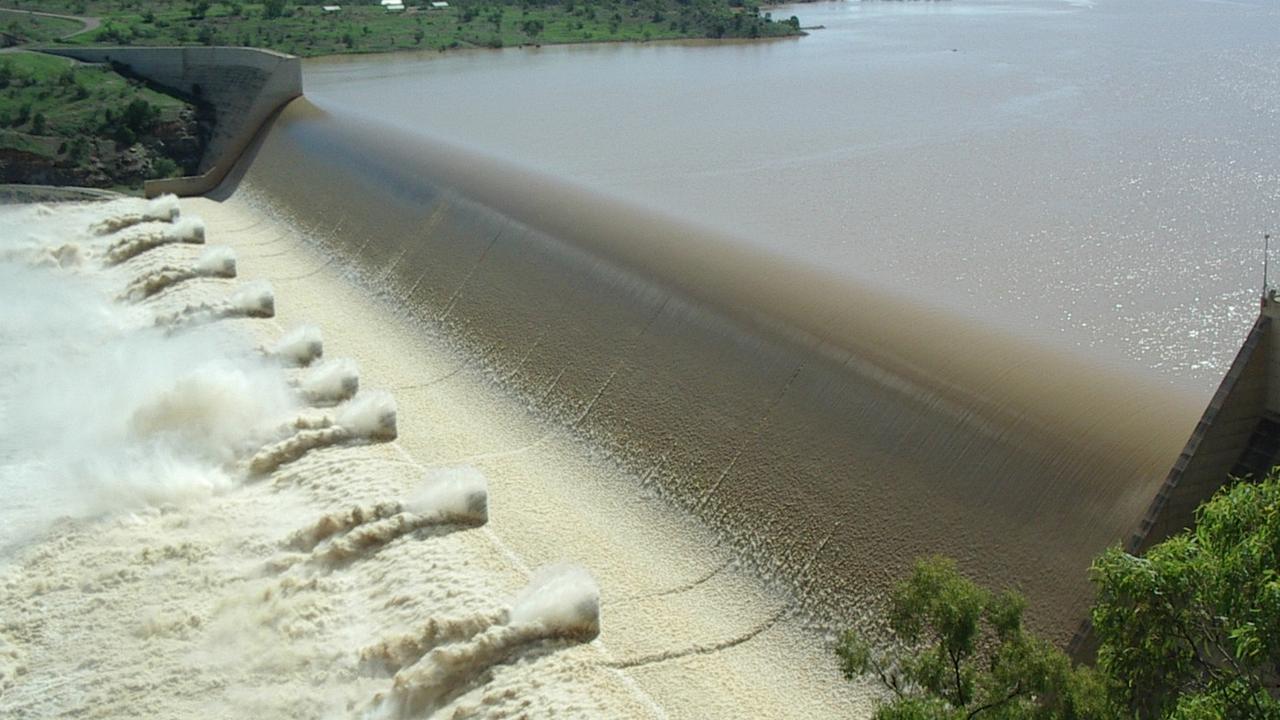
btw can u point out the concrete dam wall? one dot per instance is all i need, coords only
(244, 86)
(830, 433)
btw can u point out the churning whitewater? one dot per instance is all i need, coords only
(203, 514)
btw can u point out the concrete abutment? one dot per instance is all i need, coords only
(244, 86)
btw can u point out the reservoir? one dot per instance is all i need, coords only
(1095, 175)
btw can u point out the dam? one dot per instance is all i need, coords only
(744, 437)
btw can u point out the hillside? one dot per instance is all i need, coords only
(67, 123)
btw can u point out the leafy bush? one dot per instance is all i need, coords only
(1191, 631)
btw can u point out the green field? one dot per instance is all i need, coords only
(308, 30)
(17, 28)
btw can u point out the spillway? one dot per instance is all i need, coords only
(829, 433)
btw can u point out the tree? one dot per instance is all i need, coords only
(962, 653)
(272, 9)
(531, 28)
(1192, 630)
(139, 116)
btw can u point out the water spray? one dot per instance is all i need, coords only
(369, 417)
(160, 209)
(560, 603)
(216, 262)
(140, 240)
(255, 300)
(299, 347)
(331, 382)
(458, 496)
(63, 256)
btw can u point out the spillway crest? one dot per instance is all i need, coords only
(830, 432)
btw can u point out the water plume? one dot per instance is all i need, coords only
(187, 230)
(101, 415)
(160, 209)
(458, 495)
(255, 300)
(331, 382)
(563, 599)
(369, 417)
(216, 262)
(561, 602)
(299, 347)
(210, 411)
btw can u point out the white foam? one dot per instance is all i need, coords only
(459, 494)
(370, 415)
(563, 598)
(217, 261)
(300, 346)
(254, 299)
(189, 230)
(332, 381)
(164, 207)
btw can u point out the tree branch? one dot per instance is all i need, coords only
(1017, 690)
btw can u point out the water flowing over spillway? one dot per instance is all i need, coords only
(830, 433)
(599, 382)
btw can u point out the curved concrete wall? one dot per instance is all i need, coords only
(243, 85)
(828, 432)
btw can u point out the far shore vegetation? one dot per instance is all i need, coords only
(314, 27)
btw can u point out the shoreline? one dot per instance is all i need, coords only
(427, 53)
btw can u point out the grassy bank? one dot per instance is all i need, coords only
(66, 123)
(307, 29)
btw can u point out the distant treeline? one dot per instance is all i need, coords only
(312, 27)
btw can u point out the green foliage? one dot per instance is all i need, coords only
(1192, 630)
(69, 113)
(963, 652)
(200, 8)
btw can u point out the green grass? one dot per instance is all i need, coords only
(307, 30)
(21, 27)
(70, 97)
(13, 140)
(66, 111)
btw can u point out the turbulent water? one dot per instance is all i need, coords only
(697, 363)
(157, 557)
